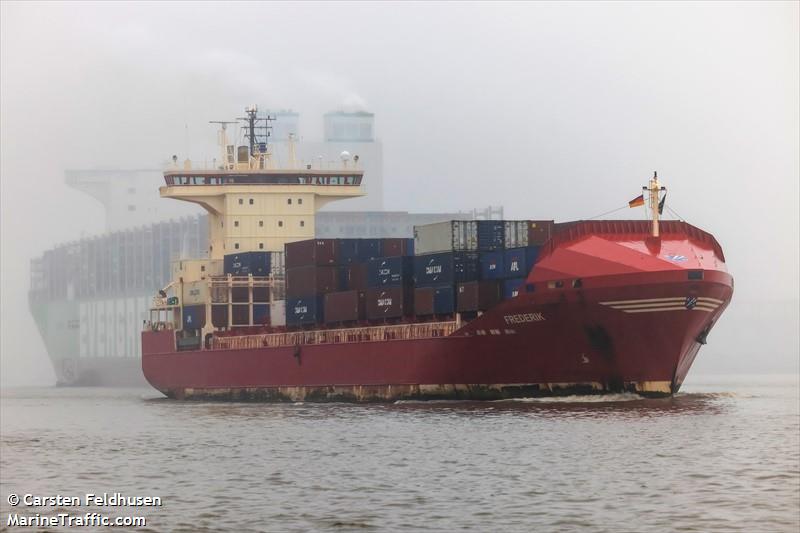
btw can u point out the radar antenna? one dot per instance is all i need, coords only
(257, 130)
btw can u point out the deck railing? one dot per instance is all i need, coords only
(337, 336)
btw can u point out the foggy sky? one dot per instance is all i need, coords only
(551, 110)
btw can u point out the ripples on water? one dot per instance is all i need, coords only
(722, 456)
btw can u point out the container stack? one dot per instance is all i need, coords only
(470, 266)
(346, 282)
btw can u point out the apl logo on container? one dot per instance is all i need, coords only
(301, 310)
(515, 265)
(384, 302)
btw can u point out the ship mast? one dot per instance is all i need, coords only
(654, 189)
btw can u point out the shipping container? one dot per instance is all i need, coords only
(219, 295)
(311, 252)
(277, 313)
(539, 231)
(512, 287)
(195, 292)
(389, 303)
(277, 264)
(345, 306)
(519, 261)
(369, 249)
(219, 316)
(303, 311)
(398, 247)
(245, 263)
(491, 235)
(478, 295)
(261, 294)
(446, 268)
(434, 300)
(450, 236)
(194, 317)
(240, 295)
(260, 314)
(348, 251)
(492, 265)
(516, 233)
(390, 272)
(354, 277)
(240, 314)
(311, 279)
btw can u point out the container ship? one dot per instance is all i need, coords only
(89, 296)
(486, 309)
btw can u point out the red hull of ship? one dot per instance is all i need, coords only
(635, 325)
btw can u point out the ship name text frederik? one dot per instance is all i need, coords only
(115, 499)
(522, 318)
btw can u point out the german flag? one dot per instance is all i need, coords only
(636, 202)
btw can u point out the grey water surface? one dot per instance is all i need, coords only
(723, 455)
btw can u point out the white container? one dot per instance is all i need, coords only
(277, 312)
(516, 233)
(195, 292)
(453, 235)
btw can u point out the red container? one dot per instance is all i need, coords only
(389, 303)
(219, 316)
(355, 277)
(398, 247)
(306, 280)
(478, 295)
(346, 306)
(539, 231)
(423, 301)
(312, 252)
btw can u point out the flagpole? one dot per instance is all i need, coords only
(654, 187)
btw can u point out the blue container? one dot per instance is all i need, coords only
(519, 261)
(194, 316)
(390, 272)
(444, 300)
(369, 249)
(512, 287)
(348, 251)
(242, 264)
(260, 313)
(447, 268)
(492, 265)
(304, 311)
(491, 235)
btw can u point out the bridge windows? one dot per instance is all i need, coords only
(241, 201)
(280, 223)
(251, 201)
(300, 201)
(261, 246)
(235, 223)
(289, 201)
(260, 223)
(236, 245)
(302, 223)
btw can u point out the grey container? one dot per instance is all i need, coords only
(450, 236)
(516, 233)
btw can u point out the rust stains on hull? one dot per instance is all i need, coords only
(392, 393)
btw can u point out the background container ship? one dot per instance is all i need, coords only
(90, 296)
(468, 309)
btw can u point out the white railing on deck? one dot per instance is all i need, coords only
(337, 336)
